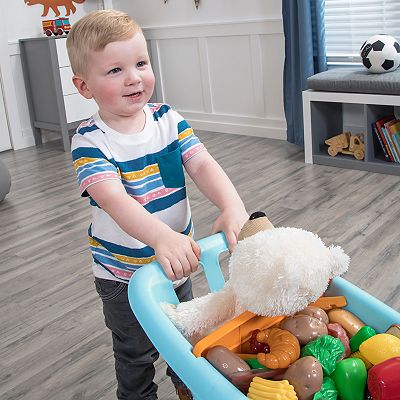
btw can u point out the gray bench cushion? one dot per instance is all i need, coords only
(356, 79)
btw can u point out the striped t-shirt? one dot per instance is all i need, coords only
(150, 166)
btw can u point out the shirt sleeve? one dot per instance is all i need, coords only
(91, 164)
(189, 143)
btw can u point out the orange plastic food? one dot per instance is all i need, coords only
(284, 348)
(328, 303)
(235, 333)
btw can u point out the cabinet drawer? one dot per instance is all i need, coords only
(78, 108)
(66, 81)
(62, 54)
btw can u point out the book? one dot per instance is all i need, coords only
(390, 144)
(386, 128)
(396, 135)
(379, 124)
(393, 128)
(380, 141)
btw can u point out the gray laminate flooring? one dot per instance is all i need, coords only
(53, 342)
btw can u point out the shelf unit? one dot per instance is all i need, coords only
(327, 114)
(54, 102)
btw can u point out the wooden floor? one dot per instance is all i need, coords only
(53, 342)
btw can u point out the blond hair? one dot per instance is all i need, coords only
(94, 31)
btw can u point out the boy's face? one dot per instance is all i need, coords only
(119, 78)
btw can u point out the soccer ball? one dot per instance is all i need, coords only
(380, 53)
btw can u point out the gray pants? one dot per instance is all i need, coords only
(134, 353)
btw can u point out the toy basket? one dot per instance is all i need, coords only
(150, 286)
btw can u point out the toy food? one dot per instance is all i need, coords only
(380, 347)
(328, 390)
(225, 361)
(384, 380)
(253, 363)
(255, 346)
(330, 302)
(306, 376)
(350, 377)
(348, 320)
(357, 354)
(243, 379)
(262, 389)
(394, 330)
(284, 348)
(327, 350)
(304, 327)
(315, 312)
(362, 335)
(337, 331)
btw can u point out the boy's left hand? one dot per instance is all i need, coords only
(230, 221)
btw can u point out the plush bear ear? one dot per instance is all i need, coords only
(257, 222)
(340, 260)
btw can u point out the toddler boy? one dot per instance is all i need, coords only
(129, 159)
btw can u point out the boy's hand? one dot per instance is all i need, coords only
(230, 222)
(178, 254)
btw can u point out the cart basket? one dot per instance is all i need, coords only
(149, 287)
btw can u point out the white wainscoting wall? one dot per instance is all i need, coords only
(12, 80)
(22, 137)
(222, 77)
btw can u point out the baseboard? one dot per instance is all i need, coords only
(247, 130)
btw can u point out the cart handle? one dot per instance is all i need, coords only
(148, 287)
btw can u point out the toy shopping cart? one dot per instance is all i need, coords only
(150, 286)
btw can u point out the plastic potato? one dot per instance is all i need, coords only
(315, 312)
(305, 328)
(306, 376)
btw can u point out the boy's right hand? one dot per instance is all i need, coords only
(178, 254)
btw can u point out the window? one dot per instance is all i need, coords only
(348, 23)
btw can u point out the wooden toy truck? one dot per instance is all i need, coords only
(346, 143)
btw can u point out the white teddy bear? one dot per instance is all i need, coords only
(272, 271)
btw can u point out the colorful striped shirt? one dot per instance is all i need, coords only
(150, 166)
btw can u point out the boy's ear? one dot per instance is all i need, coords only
(82, 87)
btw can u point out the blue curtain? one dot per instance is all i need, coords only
(303, 24)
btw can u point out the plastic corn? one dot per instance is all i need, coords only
(263, 389)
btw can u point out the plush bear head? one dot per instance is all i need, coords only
(279, 271)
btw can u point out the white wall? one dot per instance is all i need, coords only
(230, 77)
(26, 25)
(221, 65)
(154, 13)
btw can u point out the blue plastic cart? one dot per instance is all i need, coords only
(150, 286)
